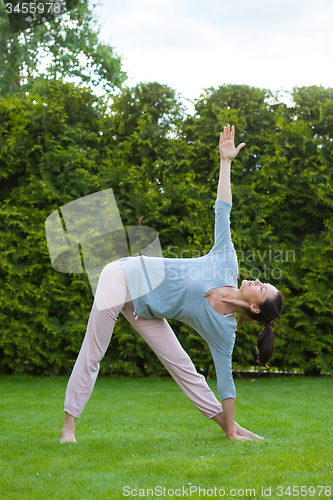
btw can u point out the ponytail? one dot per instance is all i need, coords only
(265, 345)
(269, 310)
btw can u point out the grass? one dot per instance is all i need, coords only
(144, 433)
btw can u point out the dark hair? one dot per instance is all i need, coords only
(269, 310)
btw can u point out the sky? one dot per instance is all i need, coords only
(191, 45)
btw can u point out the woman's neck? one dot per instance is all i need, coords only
(226, 300)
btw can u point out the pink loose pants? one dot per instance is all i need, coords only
(112, 296)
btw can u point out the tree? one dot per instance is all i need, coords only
(282, 208)
(67, 46)
(50, 154)
(59, 143)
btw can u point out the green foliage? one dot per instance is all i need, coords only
(69, 45)
(59, 143)
(48, 157)
(282, 209)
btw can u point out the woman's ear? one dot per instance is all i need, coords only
(255, 308)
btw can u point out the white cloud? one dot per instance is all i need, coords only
(190, 45)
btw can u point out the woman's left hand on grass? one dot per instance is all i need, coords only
(248, 434)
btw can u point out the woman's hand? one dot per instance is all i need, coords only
(238, 433)
(247, 434)
(238, 437)
(227, 146)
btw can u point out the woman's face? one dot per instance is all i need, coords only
(255, 291)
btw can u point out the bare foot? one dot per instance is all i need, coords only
(68, 430)
(67, 436)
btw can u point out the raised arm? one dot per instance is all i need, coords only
(227, 153)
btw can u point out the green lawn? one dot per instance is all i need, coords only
(144, 434)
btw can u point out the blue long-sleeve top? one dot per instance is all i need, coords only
(176, 288)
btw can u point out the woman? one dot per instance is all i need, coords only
(201, 292)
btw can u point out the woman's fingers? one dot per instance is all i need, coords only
(237, 437)
(227, 134)
(240, 146)
(227, 128)
(244, 432)
(227, 144)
